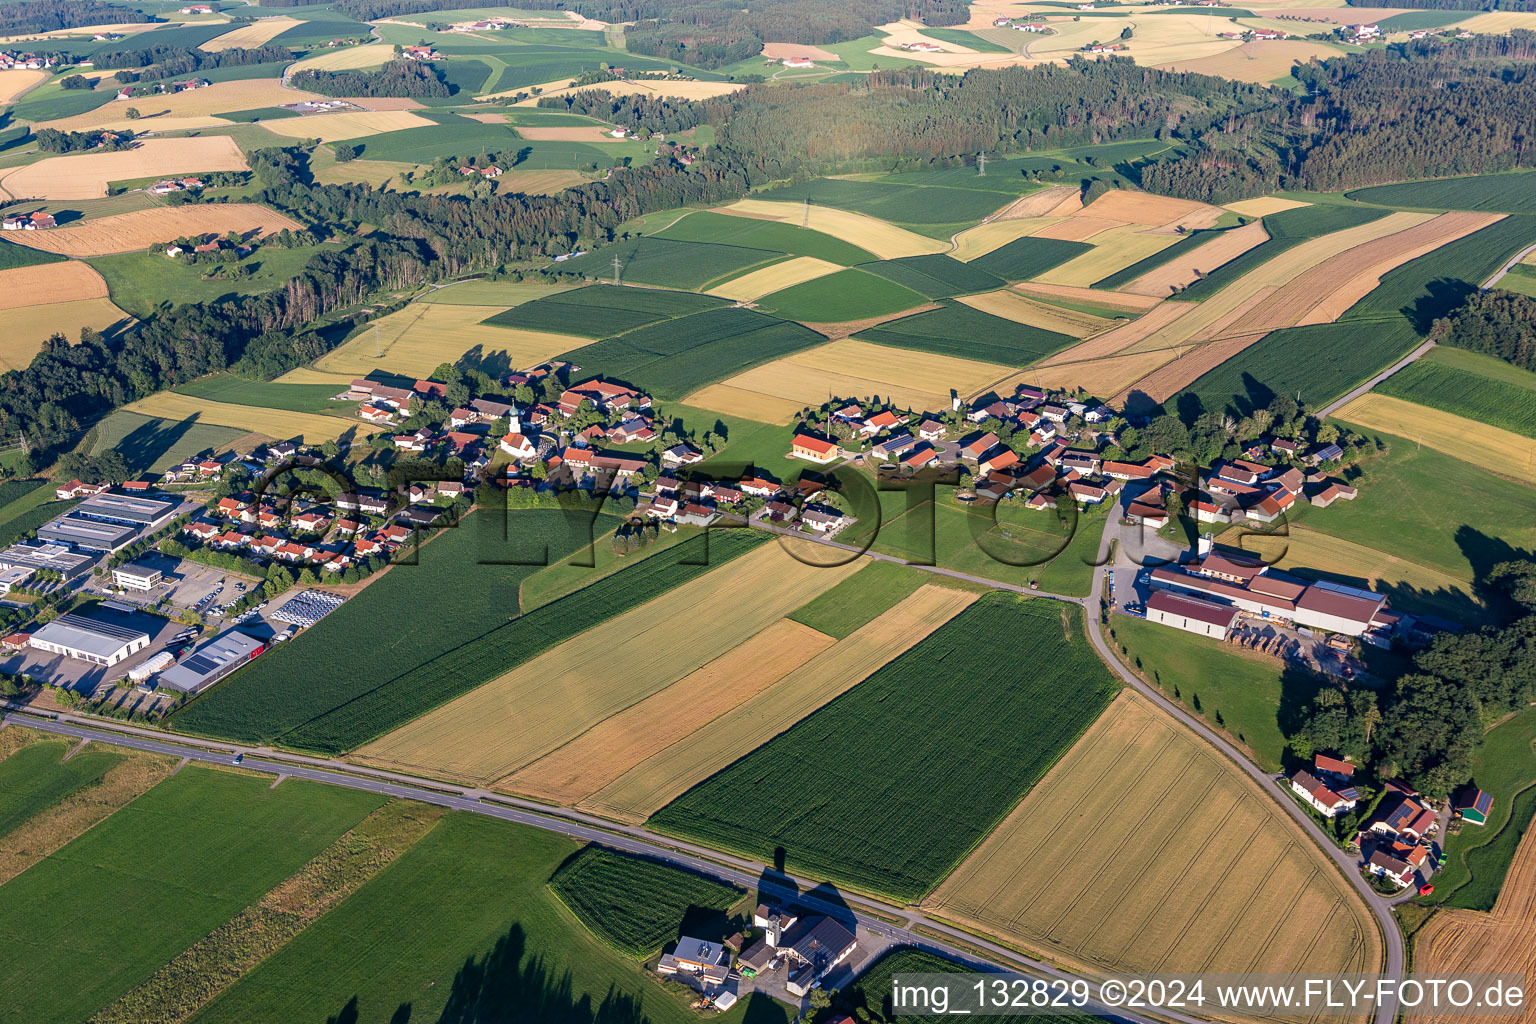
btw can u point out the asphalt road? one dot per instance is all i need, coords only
(1412, 357)
(1381, 908)
(748, 874)
(1518, 258)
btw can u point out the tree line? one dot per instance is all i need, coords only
(52, 15)
(653, 113)
(154, 62)
(1496, 323)
(399, 78)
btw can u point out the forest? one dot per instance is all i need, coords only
(652, 113)
(51, 15)
(1494, 322)
(152, 62)
(399, 78)
(51, 140)
(1450, 5)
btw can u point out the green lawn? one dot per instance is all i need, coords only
(463, 928)
(845, 295)
(1246, 690)
(154, 877)
(151, 444)
(37, 777)
(1477, 859)
(140, 281)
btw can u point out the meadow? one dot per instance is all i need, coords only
(1511, 455)
(860, 599)
(495, 944)
(602, 310)
(633, 904)
(925, 208)
(775, 236)
(13, 256)
(107, 899)
(139, 282)
(1029, 257)
(152, 444)
(1514, 192)
(658, 763)
(36, 776)
(665, 262)
(232, 390)
(1477, 859)
(306, 701)
(890, 803)
(960, 330)
(936, 276)
(1082, 869)
(1455, 381)
(837, 298)
(671, 359)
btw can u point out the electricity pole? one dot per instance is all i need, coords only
(981, 165)
(805, 216)
(615, 269)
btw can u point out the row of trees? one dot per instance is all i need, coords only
(51, 140)
(155, 62)
(400, 78)
(1496, 323)
(51, 15)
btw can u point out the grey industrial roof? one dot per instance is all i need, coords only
(210, 661)
(45, 556)
(89, 532)
(125, 508)
(79, 633)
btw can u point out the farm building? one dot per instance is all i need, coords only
(1259, 591)
(814, 449)
(708, 962)
(1327, 803)
(1191, 614)
(87, 639)
(1474, 806)
(211, 662)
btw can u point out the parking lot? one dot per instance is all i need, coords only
(84, 677)
(187, 586)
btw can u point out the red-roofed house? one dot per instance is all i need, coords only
(814, 449)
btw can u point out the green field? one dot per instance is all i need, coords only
(845, 295)
(36, 777)
(225, 387)
(921, 206)
(1246, 690)
(140, 281)
(775, 236)
(936, 277)
(671, 359)
(13, 256)
(154, 877)
(960, 37)
(959, 330)
(464, 137)
(603, 310)
(1476, 859)
(152, 444)
(861, 598)
(1412, 21)
(1287, 229)
(343, 684)
(635, 905)
(1445, 379)
(461, 928)
(666, 262)
(1321, 361)
(1432, 285)
(1514, 192)
(1024, 258)
(21, 523)
(896, 780)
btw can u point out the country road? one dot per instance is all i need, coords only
(748, 874)
(1392, 937)
(1333, 407)
(1517, 259)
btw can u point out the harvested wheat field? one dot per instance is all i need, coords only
(906, 377)
(85, 175)
(1257, 62)
(377, 173)
(572, 133)
(537, 183)
(613, 746)
(774, 278)
(308, 375)
(1186, 268)
(984, 238)
(1458, 942)
(422, 336)
(1082, 872)
(1498, 22)
(1021, 309)
(312, 427)
(1264, 206)
(48, 283)
(1307, 549)
(349, 58)
(191, 104)
(782, 51)
(663, 776)
(131, 232)
(1122, 338)
(1045, 203)
(687, 89)
(349, 124)
(52, 828)
(257, 33)
(548, 701)
(1071, 293)
(1102, 376)
(23, 329)
(1134, 207)
(1112, 252)
(1078, 228)
(1499, 451)
(16, 84)
(886, 241)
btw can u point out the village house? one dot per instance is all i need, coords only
(1408, 819)
(973, 450)
(1397, 863)
(814, 449)
(1322, 799)
(878, 422)
(518, 446)
(931, 430)
(681, 455)
(893, 446)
